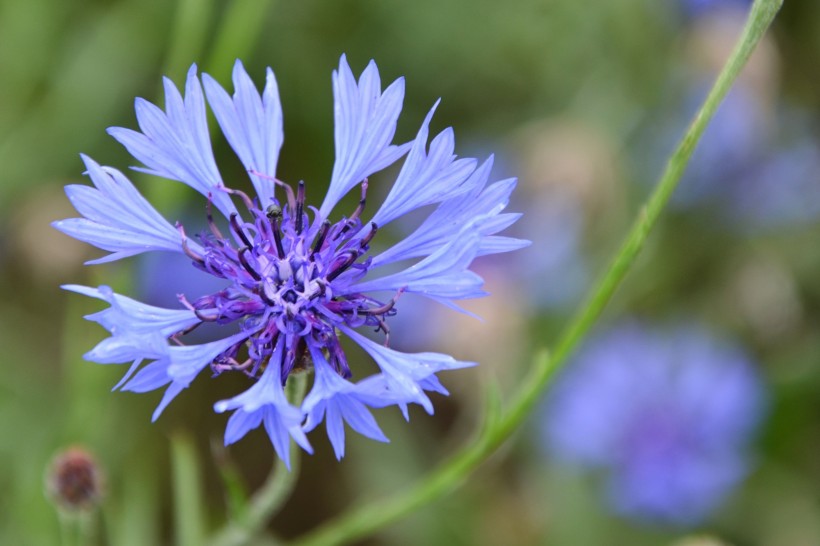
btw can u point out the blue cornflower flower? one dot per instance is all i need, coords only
(781, 189)
(756, 164)
(702, 7)
(295, 281)
(667, 415)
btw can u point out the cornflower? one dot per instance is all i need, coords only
(296, 281)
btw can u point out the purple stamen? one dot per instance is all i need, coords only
(320, 240)
(244, 261)
(277, 237)
(287, 291)
(237, 229)
(185, 248)
(242, 195)
(358, 210)
(369, 237)
(341, 266)
(300, 206)
(211, 224)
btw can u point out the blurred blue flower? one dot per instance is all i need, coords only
(738, 135)
(780, 189)
(293, 283)
(754, 164)
(667, 415)
(702, 7)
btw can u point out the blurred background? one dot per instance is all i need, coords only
(692, 415)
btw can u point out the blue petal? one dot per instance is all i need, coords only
(402, 373)
(175, 144)
(496, 245)
(124, 348)
(150, 377)
(240, 423)
(443, 274)
(154, 376)
(378, 393)
(335, 429)
(170, 393)
(265, 402)
(116, 217)
(337, 400)
(455, 307)
(138, 330)
(126, 314)
(365, 122)
(178, 367)
(252, 125)
(426, 178)
(360, 419)
(453, 214)
(279, 425)
(187, 361)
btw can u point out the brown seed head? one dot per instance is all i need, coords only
(74, 480)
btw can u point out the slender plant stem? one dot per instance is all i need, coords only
(66, 529)
(86, 528)
(265, 503)
(273, 493)
(499, 426)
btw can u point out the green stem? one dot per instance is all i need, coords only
(86, 528)
(67, 535)
(275, 491)
(265, 503)
(499, 427)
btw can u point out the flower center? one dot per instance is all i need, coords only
(288, 277)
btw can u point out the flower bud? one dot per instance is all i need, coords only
(74, 480)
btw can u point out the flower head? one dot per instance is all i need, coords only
(296, 279)
(75, 482)
(668, 415)
(702, 7)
